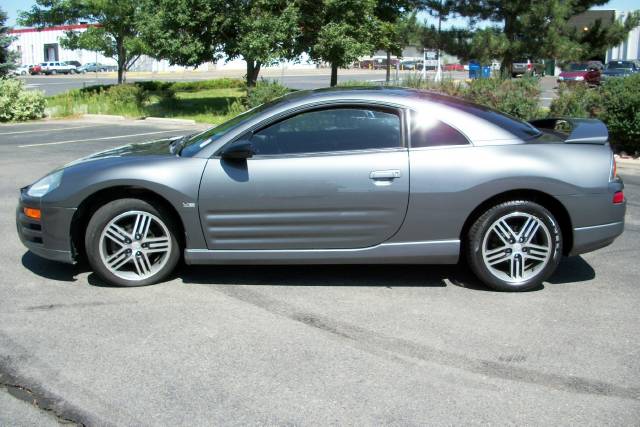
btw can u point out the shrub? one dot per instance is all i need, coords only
(576, 101)
(265, 91)
(621, 112)
(516, 97)
(19, 104)
(126, 95)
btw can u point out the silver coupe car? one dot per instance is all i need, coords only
(358, 176)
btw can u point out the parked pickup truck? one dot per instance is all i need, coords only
(57, 68)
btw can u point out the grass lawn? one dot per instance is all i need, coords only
(206, 106)
(197, 102)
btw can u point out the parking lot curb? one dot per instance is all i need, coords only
(103, 117)
(173, 121)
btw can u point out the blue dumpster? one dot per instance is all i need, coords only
(474, 70)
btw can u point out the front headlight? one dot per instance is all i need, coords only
(46, 184)
(560, 77)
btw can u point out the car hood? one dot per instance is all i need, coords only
(573, 74)
(152, 148)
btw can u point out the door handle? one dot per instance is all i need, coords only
(387, 174)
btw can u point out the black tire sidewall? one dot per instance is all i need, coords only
(481, 227)
(101, 218)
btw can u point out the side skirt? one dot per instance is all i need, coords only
(430, 252)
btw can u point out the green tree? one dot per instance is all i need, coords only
(115, 33)
(338, 31)
(396, 20)
(191, 32)
(536, 29)
(7, 57)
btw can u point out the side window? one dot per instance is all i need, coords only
(429, 132)
(336, 129)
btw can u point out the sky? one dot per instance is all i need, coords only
(13, 6)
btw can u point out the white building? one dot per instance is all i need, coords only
(43, 45)
(628, 49)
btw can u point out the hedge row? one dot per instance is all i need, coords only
(616, 102)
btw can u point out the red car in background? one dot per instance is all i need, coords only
(453, 67)
(581, 72)
(35, 69)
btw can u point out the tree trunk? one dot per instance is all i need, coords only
(334, 75)
(122, 60)
(253, 70)
(388, 66)
(507, 59)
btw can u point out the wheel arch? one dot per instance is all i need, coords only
(99, 198)
(546, 200)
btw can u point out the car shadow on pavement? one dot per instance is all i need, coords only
(51, 269)
(571, 270)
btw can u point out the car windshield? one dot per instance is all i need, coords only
(578, 67)
(201, 140)
(619, 64)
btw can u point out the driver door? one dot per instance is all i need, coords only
(334, 177)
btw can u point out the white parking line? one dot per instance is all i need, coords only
(98, 139)
(50, 130)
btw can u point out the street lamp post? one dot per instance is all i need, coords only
(424, 64)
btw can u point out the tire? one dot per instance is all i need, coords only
(522, 255)
(134, 259)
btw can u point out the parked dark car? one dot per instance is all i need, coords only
(92, 67)
(347, 176)
(620, 69)
(524, 66)
(580, 72)
(411, 65)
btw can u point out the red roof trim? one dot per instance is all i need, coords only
(54, 28)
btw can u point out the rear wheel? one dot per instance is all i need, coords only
(515, 246)
(131, 242)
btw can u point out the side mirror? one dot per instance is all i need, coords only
(239, 150)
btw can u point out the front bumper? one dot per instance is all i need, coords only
(49, 237)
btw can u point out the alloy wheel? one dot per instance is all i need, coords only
(517, 247)
(135, 245)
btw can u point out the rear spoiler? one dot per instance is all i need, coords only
(575, 131)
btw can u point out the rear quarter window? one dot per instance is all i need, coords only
(429, 132)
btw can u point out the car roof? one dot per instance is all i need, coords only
(482, 125)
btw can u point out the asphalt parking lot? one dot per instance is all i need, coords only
(307, 345)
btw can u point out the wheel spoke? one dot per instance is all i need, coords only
(117, 234)
(517, 268)
(504, 232)
(142, 264)
(498, 257)
(537, 252)
(141, 226)
(118, 259)
(529, 229)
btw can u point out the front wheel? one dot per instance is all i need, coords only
(130, 242)
(515, 246)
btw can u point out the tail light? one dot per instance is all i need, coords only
(614, 168)
(618, 197)
(529, 66)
